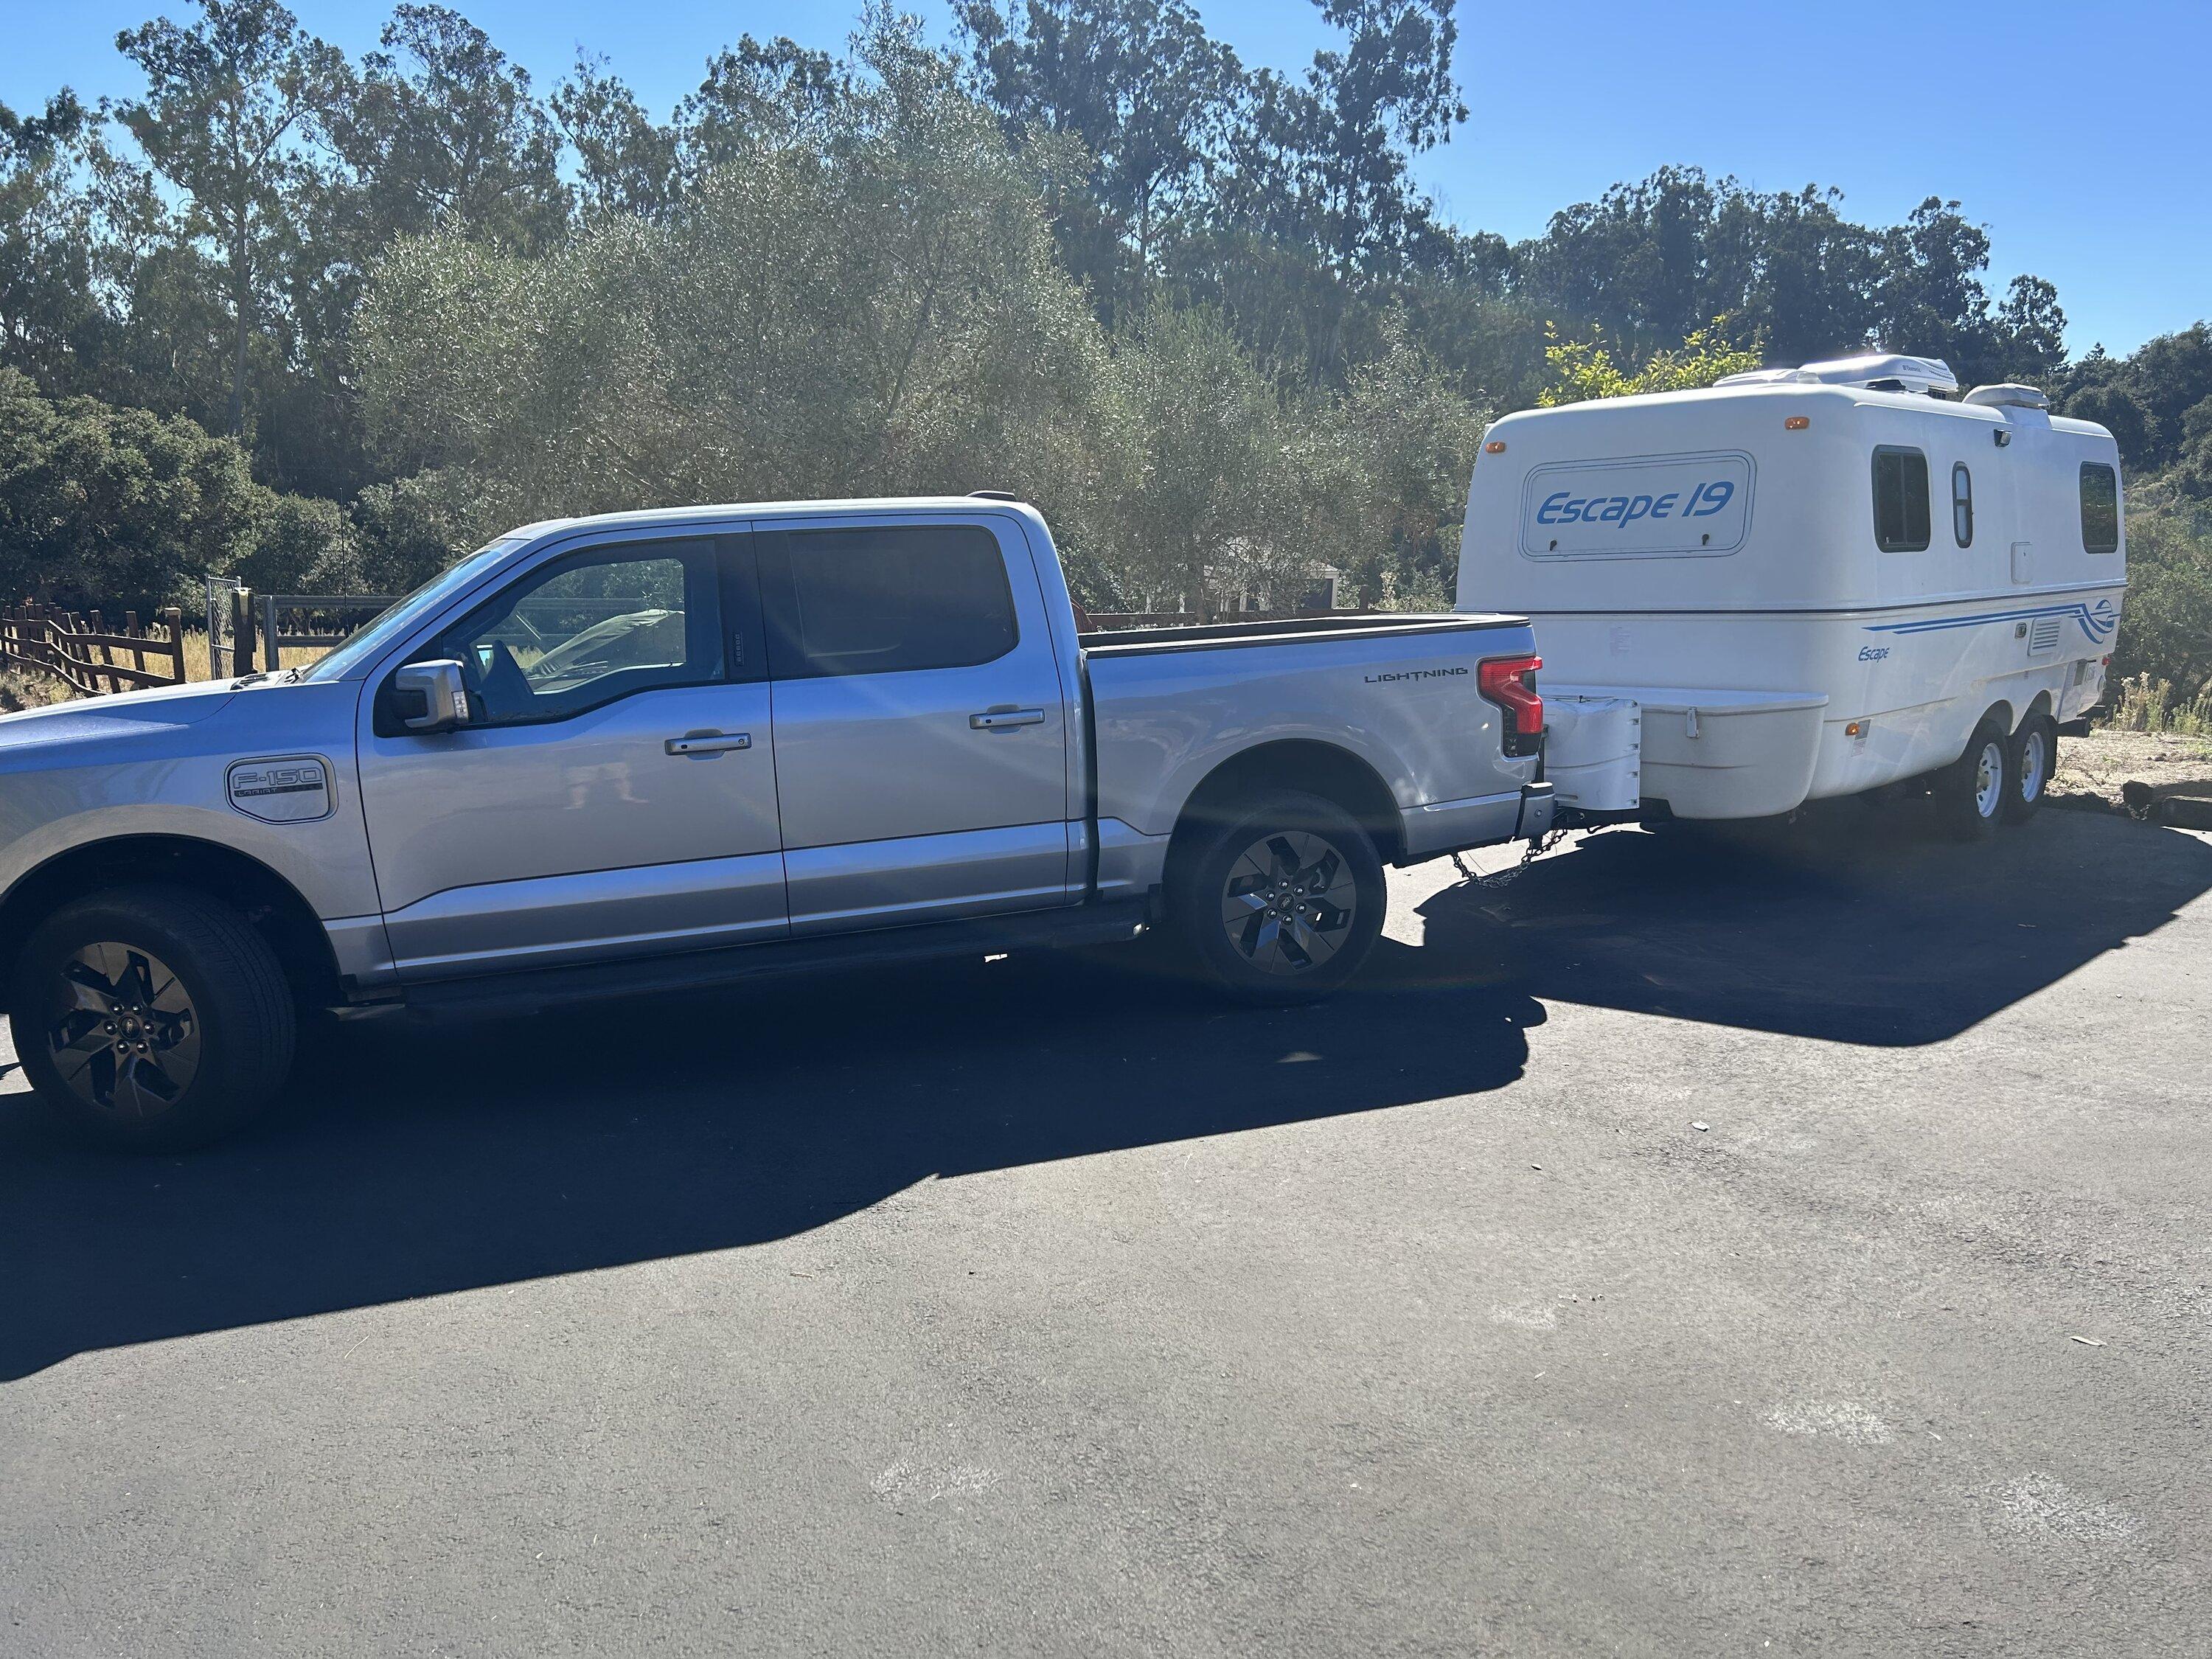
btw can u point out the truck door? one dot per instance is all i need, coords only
(921, 724)
(614, 791)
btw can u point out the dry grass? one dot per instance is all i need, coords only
(2147, 705)
(195, 655)
(2107, 758)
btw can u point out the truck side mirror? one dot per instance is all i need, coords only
(431, 696)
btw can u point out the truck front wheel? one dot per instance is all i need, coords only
(1278, 900)
(151, 1016)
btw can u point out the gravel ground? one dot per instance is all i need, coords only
(2098, 765)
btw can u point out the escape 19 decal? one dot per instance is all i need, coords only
(1653, 506)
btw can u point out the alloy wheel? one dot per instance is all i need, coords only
(1288, 903)
(123, 1032)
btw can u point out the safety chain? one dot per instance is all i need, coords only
(1537, 848)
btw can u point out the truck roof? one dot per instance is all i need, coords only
(645, 517)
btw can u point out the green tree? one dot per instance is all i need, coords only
(1149, 96)
(49, 311)
(2165, 628)
(626, 162)
(110, 506)
(440, 129)
(880, 311)
(226, 102)
(1584, 369)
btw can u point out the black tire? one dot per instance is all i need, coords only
(2030, 761)
(1314, 879)
(201, 1017)
(1971, 792)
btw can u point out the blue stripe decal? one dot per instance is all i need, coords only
(2097, 621)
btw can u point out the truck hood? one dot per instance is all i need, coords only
(125, 714)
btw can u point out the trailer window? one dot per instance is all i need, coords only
(1962, 505)
(1900, 500)
(2100, 507)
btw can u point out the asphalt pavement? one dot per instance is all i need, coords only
(1793, 1243)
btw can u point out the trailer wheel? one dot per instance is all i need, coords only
(2033, 757)
(1280, 900)
(151, 1017)
(1970, 792)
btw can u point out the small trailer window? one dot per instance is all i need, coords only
(1962, 505)
(1900, 500)
(2101, 508)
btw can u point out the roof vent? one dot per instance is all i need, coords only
(2008, 397)
(992, 495)
(1876, 371)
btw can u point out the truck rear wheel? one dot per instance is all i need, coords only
(1971, 792)
(151, 1016)
(1279, 901)
(2034, 756)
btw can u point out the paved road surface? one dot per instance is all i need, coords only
(1039, 1307)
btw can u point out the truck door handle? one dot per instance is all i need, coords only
(707, 743)
(1002, 720)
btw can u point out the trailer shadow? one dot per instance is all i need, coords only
(1859, 924)
(414, 1163)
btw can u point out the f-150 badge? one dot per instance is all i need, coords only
(289, 789)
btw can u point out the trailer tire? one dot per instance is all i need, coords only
(1970, 792)
(1278, 900)
(2032, 758)
(151, 1017)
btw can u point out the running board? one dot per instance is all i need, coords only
(522, 992)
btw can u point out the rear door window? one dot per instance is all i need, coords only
(1900, 500)
(891, 599)
(2101, 508)
(1962, 505)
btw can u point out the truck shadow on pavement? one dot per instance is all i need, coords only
(413, 1162)
(1858, 924)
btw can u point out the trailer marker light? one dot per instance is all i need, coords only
(1853, 730)
(1797, 423)
(1495, 446)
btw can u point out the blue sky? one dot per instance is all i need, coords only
(2076, 133)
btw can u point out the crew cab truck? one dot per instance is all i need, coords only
(638, 753)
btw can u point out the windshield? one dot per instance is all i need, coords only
(397, 619)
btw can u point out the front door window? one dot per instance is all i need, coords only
(590, 629)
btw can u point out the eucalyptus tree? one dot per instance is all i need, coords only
(626, 162)
(48, 310)
(1148, 95)
(229, 102)
(438, 128)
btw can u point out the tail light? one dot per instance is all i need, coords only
(1510, 684)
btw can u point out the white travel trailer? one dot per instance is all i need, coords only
(1804, 582)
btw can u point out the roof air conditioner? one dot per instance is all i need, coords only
(1876, 371)
(2008, 397)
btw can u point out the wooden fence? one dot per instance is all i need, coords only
(81, 651)
(248, 630)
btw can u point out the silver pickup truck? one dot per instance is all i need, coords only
(660, 750)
